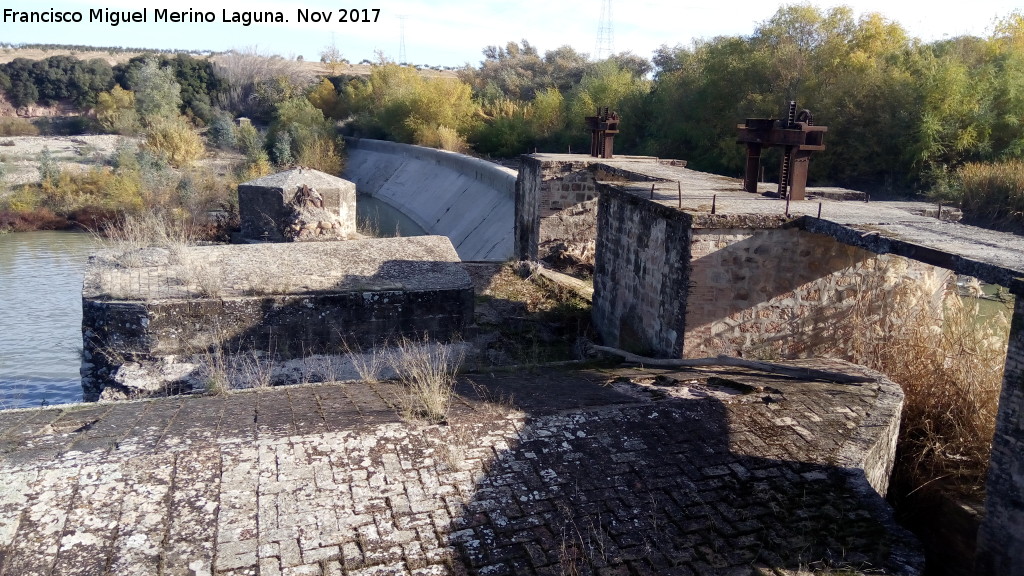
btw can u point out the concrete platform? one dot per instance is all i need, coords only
(285, 300)
(623, 471)
(879, 227)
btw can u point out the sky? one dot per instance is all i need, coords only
(454, 32)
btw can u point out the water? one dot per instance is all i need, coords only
(383, 220)
(41, 317)
(41, 307)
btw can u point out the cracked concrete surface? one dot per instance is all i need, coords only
(624, 471)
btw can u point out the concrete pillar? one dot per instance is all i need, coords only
(527, 214)
(1001, 536)
(273, 209)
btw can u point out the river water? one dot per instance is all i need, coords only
(41, 316)
(41, 306)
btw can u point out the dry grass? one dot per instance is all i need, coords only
(368, 364)
(992, 192)
(131, 234)
(207, 281)
(949, 362)
(17, 127)
(216, 371)
(256, 369)
(427, 371)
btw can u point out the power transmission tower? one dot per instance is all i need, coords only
(605, 34)
(401, 43)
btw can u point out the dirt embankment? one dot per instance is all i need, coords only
(21, 154)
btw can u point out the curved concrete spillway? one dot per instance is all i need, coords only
(470, 201)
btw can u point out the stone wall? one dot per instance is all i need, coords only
(1001, 537)
(285, 327)
(641, 278)
(543, 189)
(791, 293)
(551, 185)
(288, 300)
(297, 205)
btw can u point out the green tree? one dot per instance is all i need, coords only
(157, 93)
(115, 111)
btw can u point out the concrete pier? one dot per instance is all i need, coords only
(600, 471)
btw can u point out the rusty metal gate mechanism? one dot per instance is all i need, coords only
(603, 129)
(799, 138)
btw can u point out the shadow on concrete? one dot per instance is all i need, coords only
(600, 482)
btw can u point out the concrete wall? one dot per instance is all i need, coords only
(791, 293)
(674, 284)
(641, 276)
(470, 201)
(287, 299)
(527, 209)
(271, 209)
(1001, 537)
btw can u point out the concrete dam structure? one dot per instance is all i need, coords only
(625, 470)
(471, 201)
(689, 265)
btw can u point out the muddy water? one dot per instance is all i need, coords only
(41, 317)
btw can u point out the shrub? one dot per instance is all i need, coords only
(256, 166)
(17, 127)
(115, 111)
(22, 199)
(49, 170)
(98, 188)
(992, 192)
(222, 132)
(176, 141)
(441, 137)
(321, 154)
(283, 150)
(248, 139)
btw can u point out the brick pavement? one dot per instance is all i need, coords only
(609, 472)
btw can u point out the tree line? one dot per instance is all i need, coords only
(902, 114)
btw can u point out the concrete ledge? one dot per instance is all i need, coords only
(287, 300)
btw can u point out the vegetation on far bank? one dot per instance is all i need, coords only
(903, 115)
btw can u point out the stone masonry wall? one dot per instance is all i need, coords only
(286, 326)
(527, 223)
(641, 274)
(1001, 537)
(790, 293)
(543, 189)
(549, 189)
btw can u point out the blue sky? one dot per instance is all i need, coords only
(453, 32)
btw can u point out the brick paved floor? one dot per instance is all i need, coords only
(591, 472)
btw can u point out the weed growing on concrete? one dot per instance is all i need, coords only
(368, 364)
(256, 368)
(427, 371)
(130, 235)
(207, 281)
(216, 373)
